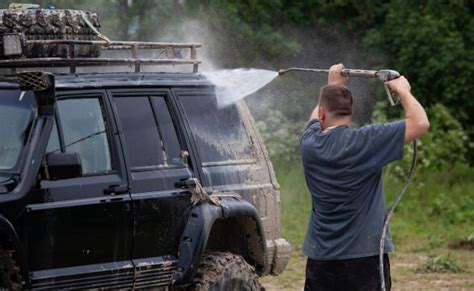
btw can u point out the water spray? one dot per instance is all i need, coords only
(384, 75)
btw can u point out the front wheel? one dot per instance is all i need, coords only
(225, 271)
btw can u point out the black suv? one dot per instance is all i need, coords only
(129, 179)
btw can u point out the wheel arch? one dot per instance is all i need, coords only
(235, 223)
(238, 235)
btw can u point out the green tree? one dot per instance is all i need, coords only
(431, 42)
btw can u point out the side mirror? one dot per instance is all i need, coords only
(63, 165)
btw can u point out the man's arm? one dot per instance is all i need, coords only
(315, 113)
(416, 120)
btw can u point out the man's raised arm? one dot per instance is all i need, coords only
(416, 120)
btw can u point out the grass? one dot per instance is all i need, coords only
(437, 209)
(435, 213)
(444, 263)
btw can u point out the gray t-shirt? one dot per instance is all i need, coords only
(343, 171)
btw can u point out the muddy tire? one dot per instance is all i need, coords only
(46, 24)
(225, 271)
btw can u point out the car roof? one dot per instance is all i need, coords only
(120, 80)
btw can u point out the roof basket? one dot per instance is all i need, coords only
(162, 54)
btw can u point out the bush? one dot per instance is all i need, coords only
(446, 144)
(281, 136)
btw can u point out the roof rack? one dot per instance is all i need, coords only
(168, 50)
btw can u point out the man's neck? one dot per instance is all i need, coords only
(333, 122)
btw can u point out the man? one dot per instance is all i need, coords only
(343, 171)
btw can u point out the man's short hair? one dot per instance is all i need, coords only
(337, 99)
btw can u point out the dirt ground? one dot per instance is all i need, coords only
(403, 276)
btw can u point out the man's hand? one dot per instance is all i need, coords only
(399, 85)
(335, 77)
(416, 120)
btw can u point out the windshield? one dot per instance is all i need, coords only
(16, 112)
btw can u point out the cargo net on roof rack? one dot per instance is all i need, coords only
(47, 24)
(71, 39)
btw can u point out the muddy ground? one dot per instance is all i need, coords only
(404, 276)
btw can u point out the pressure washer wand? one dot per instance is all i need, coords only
(344, 72)
(384, 75)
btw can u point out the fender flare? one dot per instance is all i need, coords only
(8, 232)
(197, 230)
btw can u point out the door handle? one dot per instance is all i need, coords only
(116, 189)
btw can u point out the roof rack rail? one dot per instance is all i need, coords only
(171, 51)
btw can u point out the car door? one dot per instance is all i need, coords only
(156, 157)
(78, 230)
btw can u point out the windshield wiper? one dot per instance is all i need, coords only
(84, 138)
(80, 140)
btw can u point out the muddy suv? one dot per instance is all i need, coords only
(129, 179)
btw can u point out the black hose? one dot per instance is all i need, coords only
(390, 213)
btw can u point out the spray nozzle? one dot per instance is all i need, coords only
(387, 75)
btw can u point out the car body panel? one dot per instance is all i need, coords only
(74, 233)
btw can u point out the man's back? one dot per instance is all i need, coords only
(343, 170)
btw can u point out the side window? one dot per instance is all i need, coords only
(83, 131)
(219, 132)
(150, 135)
(166, 126)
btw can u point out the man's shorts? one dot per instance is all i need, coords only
(350, 274)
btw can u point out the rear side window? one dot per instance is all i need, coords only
(219, 132)
(150, 135)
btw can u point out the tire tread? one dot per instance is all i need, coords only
(215, 264)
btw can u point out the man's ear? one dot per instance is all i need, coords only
(322, 113)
